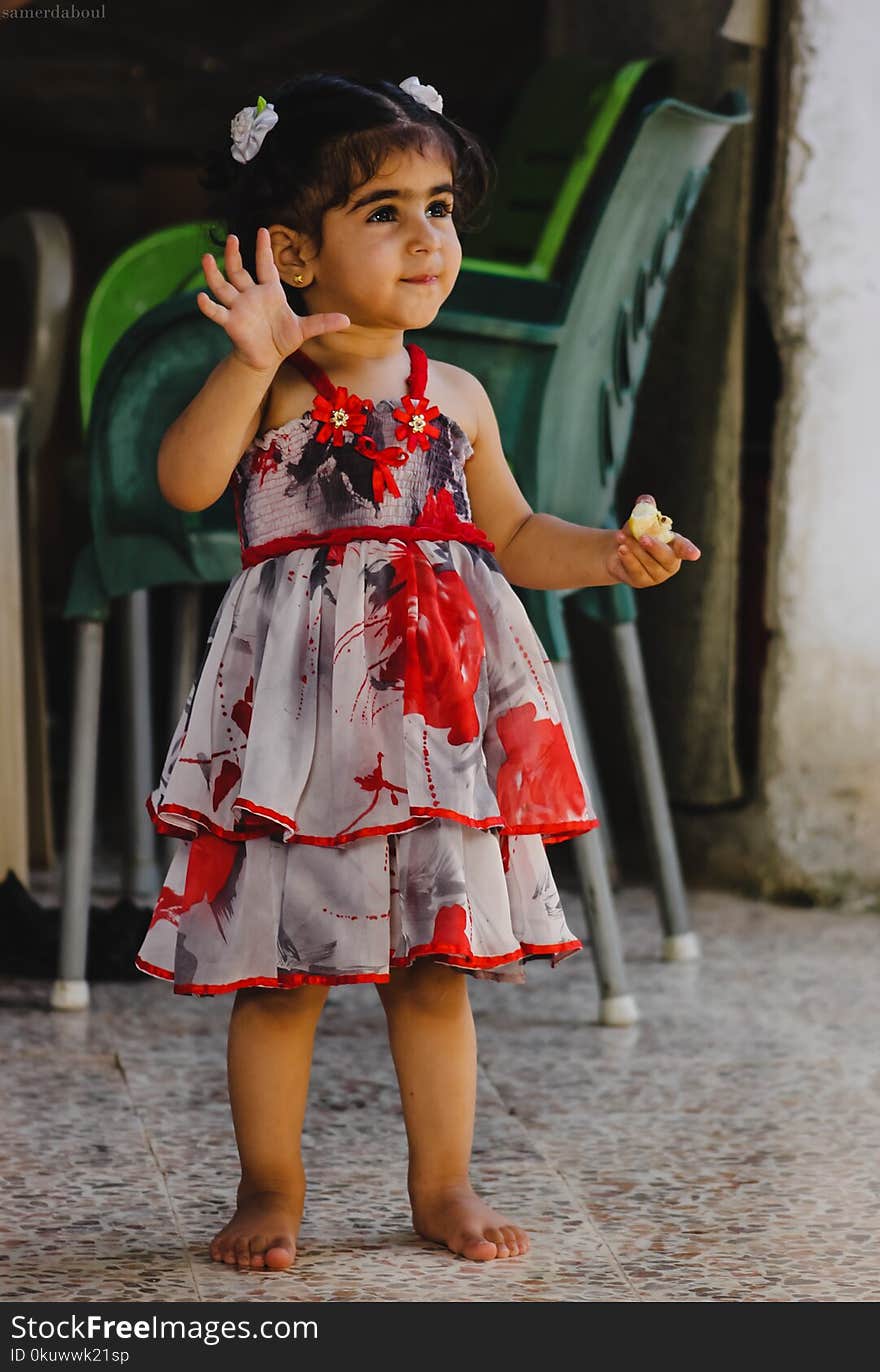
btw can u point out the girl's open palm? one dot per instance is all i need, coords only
(255, 314)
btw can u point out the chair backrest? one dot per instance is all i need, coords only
(612, 302)
(567, 122)
(151, 375)
(146, 273)
(564, 377)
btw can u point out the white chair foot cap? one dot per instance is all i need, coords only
(681, 948)
(69, 995)
(618, 1011)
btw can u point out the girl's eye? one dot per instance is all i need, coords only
(442, 205)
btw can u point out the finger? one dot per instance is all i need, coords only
(650, 499)
(630, 576)
(234, 270)
(210, 308)
(636, 558)
(683, 548)
(312, 324)
(265, 262)
(662, 553)
(216, 280)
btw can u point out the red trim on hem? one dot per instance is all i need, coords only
(287, 980)
(558, 833)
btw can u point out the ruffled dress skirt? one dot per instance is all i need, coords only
(370, 763)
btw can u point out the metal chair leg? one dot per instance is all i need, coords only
(70, 990)
(184, 661)
(680, 943)
(616, 1006)
(140, 869)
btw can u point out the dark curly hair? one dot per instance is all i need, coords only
(332, 136)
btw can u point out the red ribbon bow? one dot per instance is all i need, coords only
(383, 460)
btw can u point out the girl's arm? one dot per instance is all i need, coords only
(200, 450)
(541, 552)
(202, 446)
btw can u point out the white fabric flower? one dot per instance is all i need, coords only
(426, 95)
(249, 128)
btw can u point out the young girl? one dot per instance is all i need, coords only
(375, 751)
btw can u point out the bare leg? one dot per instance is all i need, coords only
(434, 1047)
(269, 1058)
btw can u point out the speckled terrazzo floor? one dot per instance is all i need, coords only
(722, 1149)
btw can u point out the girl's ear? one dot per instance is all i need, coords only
(290, 251)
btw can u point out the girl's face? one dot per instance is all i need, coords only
(391, 255)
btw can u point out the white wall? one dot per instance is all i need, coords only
(815, 826)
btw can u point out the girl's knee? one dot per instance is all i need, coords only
(282, 999)
(424, 985)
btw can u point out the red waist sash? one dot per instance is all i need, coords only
(460, 530)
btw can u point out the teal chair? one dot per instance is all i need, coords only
(564, 376)
(139, 542)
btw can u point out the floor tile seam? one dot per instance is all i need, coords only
(582, 1209)
(169, 1199)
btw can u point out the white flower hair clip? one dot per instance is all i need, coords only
(249, 128)
(426, 95)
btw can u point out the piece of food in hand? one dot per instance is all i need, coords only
(647, 519)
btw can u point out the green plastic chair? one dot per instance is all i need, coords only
(564, 379)
(564, 137)
(144, 275)
(141, 277)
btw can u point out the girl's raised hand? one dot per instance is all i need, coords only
(255, 314)
(641, 562)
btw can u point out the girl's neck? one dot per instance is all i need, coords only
(353, 346)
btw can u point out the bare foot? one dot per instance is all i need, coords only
(456, 1216)
(262, 1232)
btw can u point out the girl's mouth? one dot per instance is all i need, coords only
(419, 280)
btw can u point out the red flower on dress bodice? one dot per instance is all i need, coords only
(414, 415)
(344, 413)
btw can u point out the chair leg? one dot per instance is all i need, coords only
(617, 1007)
(70, 990)
(680, 943)
(565, 675)
(140, 869)
(184, 661)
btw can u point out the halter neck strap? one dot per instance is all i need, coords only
(415, 382)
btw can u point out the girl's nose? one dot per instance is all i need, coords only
(425, 235)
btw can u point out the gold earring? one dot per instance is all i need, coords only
(298, 278)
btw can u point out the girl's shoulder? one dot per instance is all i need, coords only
(455, 393)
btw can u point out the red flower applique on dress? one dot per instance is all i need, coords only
(343, 414)
(414, 415)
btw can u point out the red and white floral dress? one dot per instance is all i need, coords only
(374, 751)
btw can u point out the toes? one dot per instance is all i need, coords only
(258, 1245)
(278, 1254)
(478, 1247)
(512, 1237)
(242, 1253)
(522, 1239)
(497, 1237)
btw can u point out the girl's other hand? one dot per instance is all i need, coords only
(255, 314)
(641, 562)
